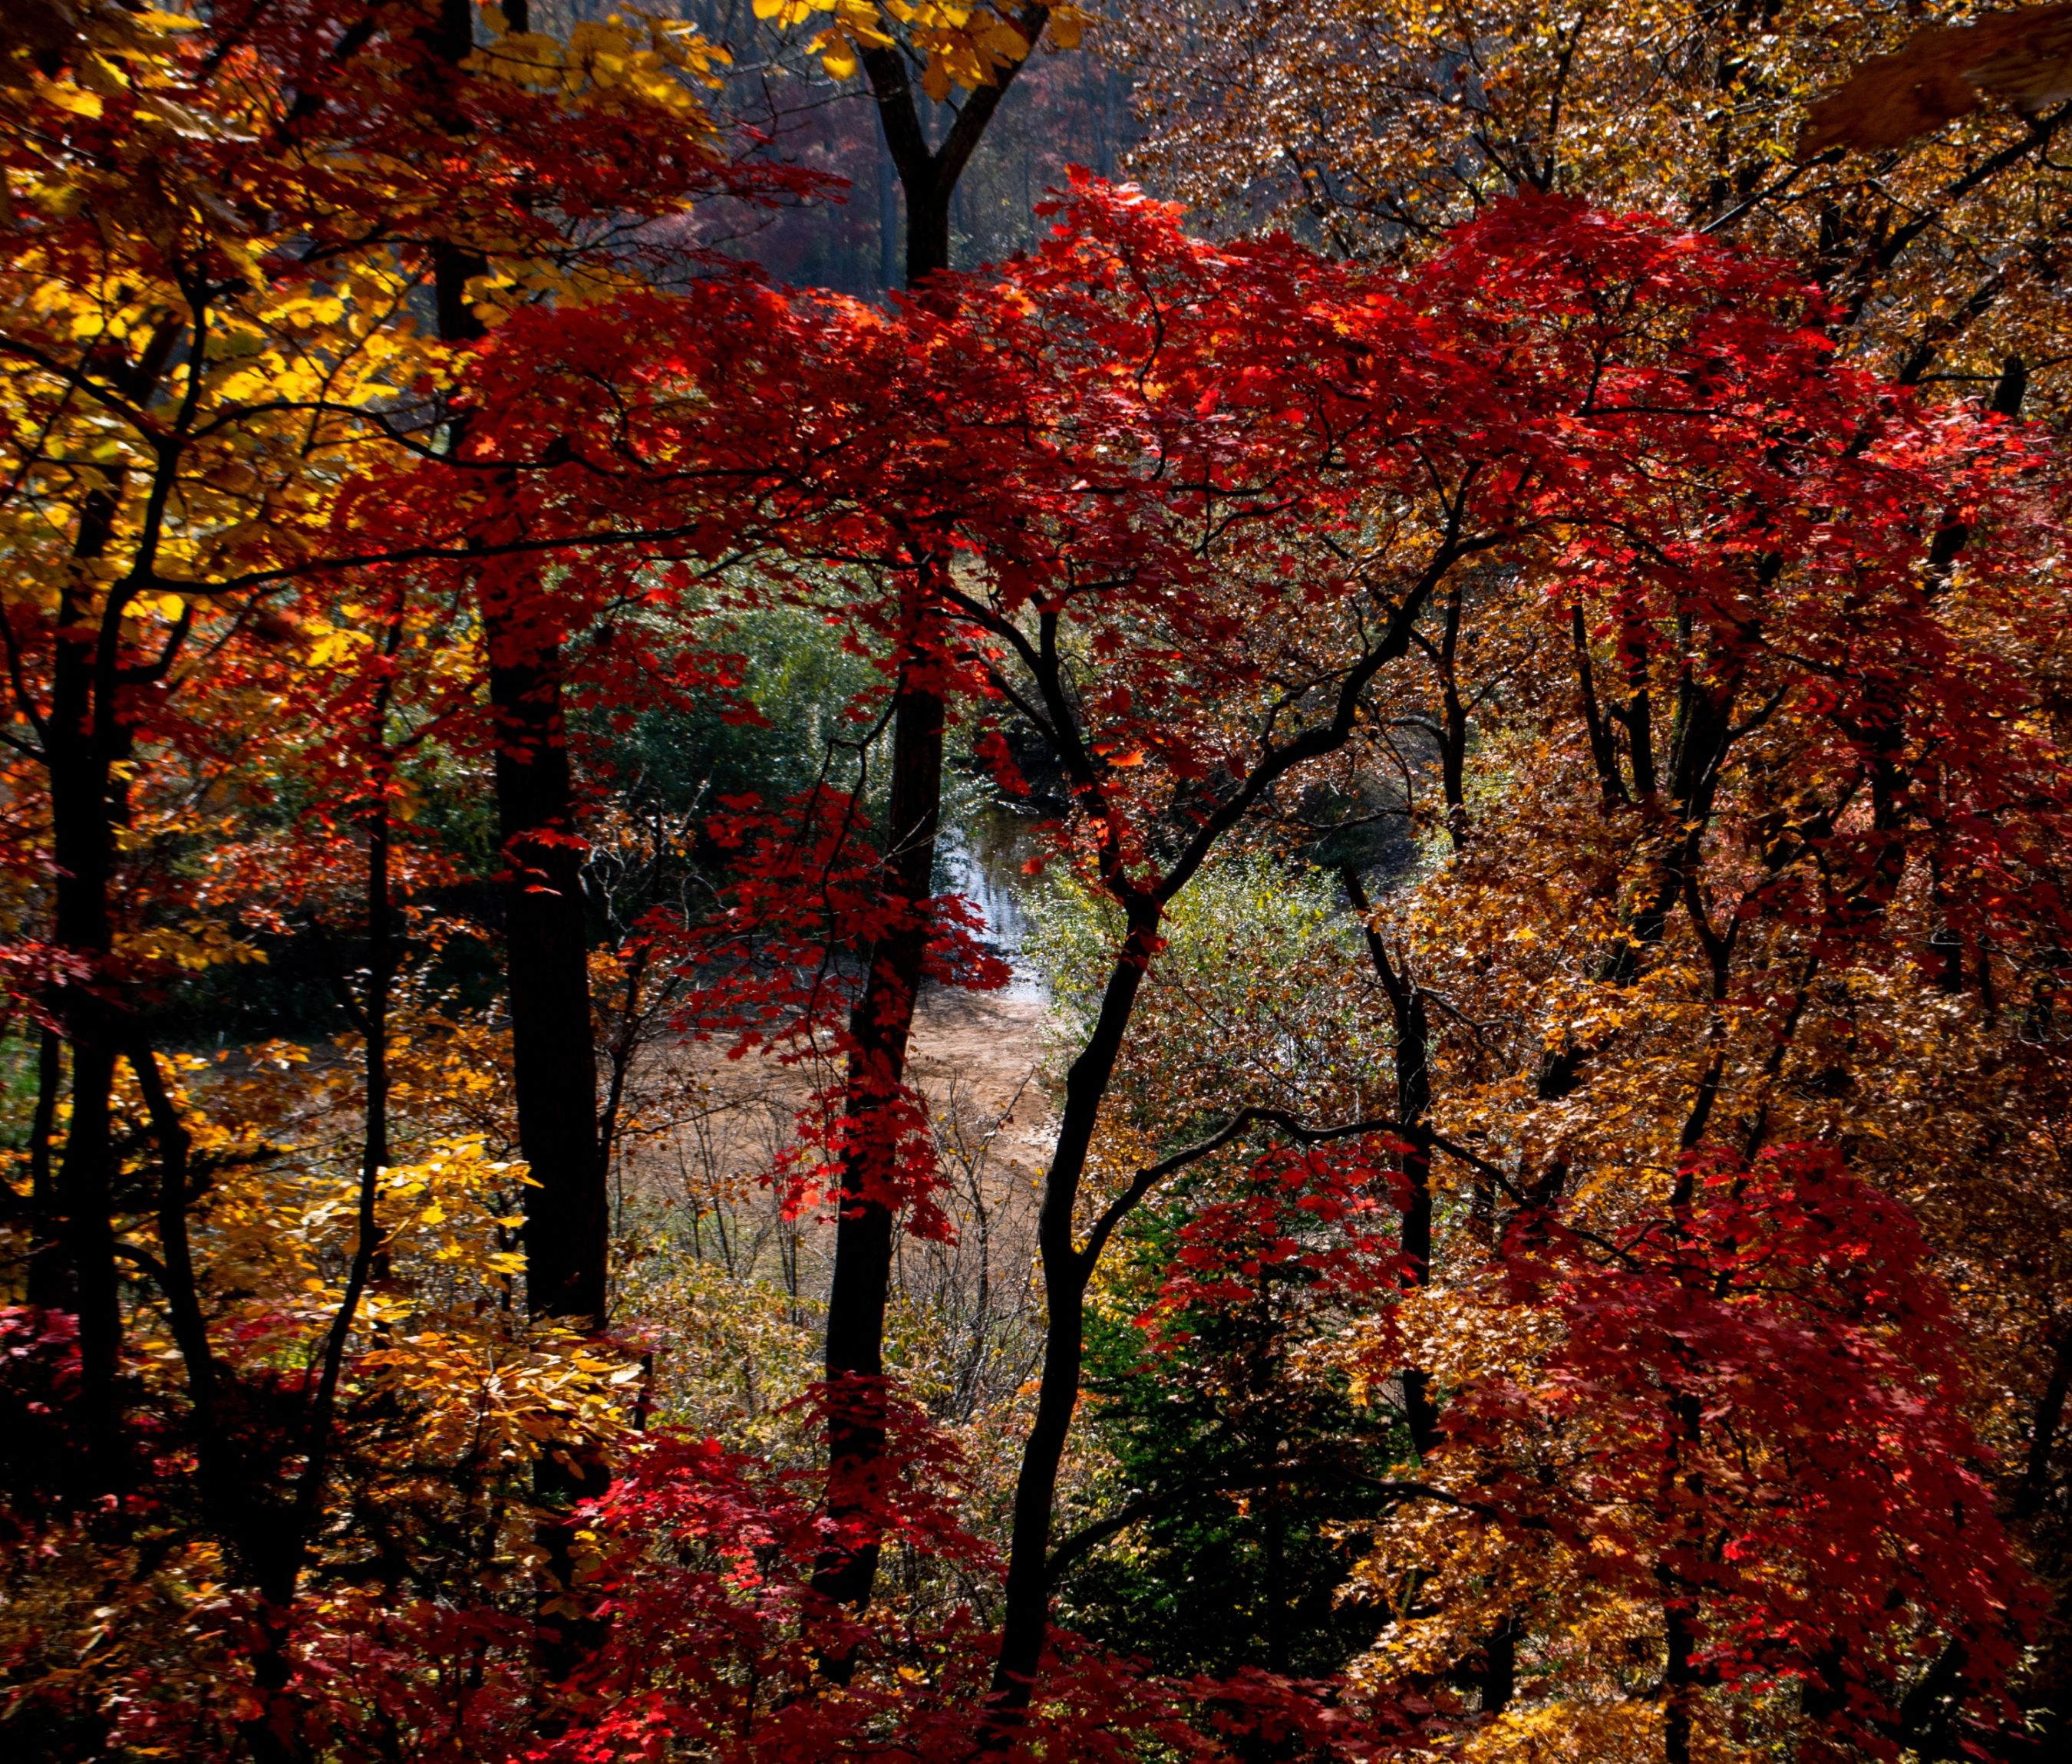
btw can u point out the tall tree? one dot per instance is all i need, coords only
(546, 943)
(977, 53)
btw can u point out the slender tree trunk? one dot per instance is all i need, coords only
(1677, 1685)
(1453, 748)
(267, 1536)
(1611, 787)
(1026, 1616)
(1277, 1578)
(1411, 1040)
(1679, 1611)
(553, 1057)
(882, 1023)
(880, 1027)
(2049, 1417)
(1067, 1268)
(278, 1734)
(1500, 1667)
(553, 1052)
(368, 1257)
(566, 1237)
(1411, 1046)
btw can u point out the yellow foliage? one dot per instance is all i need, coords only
(964, 47)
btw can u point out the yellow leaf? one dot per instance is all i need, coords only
(67, 97)
(1004, 41)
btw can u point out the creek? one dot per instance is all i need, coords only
(981, 856)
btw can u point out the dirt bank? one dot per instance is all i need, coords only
(709, 1128)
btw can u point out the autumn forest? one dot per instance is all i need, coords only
(1186, 882)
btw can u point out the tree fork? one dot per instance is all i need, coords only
(1025, 1618)
(1067, 1268)
(929, 176)
(882, 1025)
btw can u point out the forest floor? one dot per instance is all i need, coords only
(712, 1126)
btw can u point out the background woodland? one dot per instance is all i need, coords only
(1185, 882)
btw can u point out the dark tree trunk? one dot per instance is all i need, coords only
(1025, 1617)
(1500, 1667)
(1411, 1040)
(929, 174)
(882, 1023)
(552, 1048)
(369, 1260)
(1677, 1685)
(84, 739)
(1066, 1267)
(928, 234)
(1454, 747)
(1276, 1550)
(50, 1274)
(553, 1053)
(880, 1027)
(553, 1059)
(2049, 1417)
(1680, 1608)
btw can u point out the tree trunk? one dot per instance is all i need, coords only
(1499, 1675)
(49, 1274)
(882, 1022)
(929, 174)
(553, 1059)
(1679, 1611)
(1412, 1046)
(83, 740)
(553, 1049)
(927, 233)
(553, 1054)
(1026, 1616)
(880, 1027)
(1067, 1268)
(2043, 1436)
